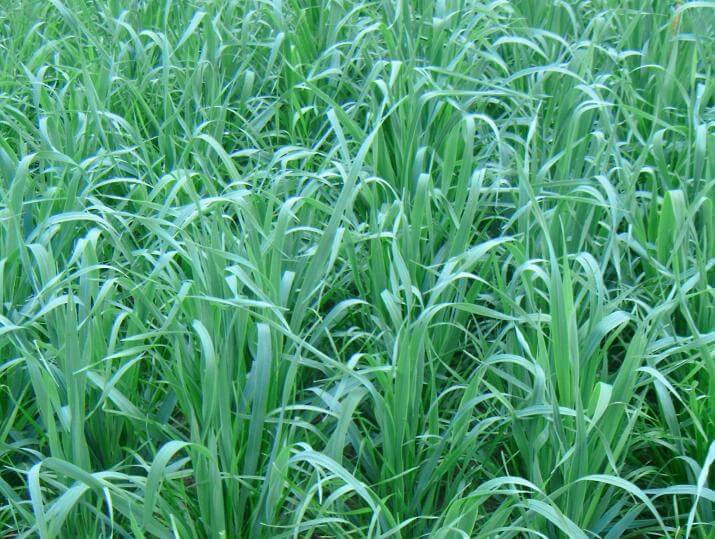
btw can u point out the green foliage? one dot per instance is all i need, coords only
(328, 268)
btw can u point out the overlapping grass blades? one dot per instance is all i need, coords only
(331, 268)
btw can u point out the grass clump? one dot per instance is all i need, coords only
(330, 268)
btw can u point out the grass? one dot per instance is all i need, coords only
(327, 268)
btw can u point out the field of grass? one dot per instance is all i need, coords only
(340, 268)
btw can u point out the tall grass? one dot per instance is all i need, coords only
(327, 268)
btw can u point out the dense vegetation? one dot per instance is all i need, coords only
(329, 268)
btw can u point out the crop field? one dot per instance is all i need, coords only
(357, 269)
